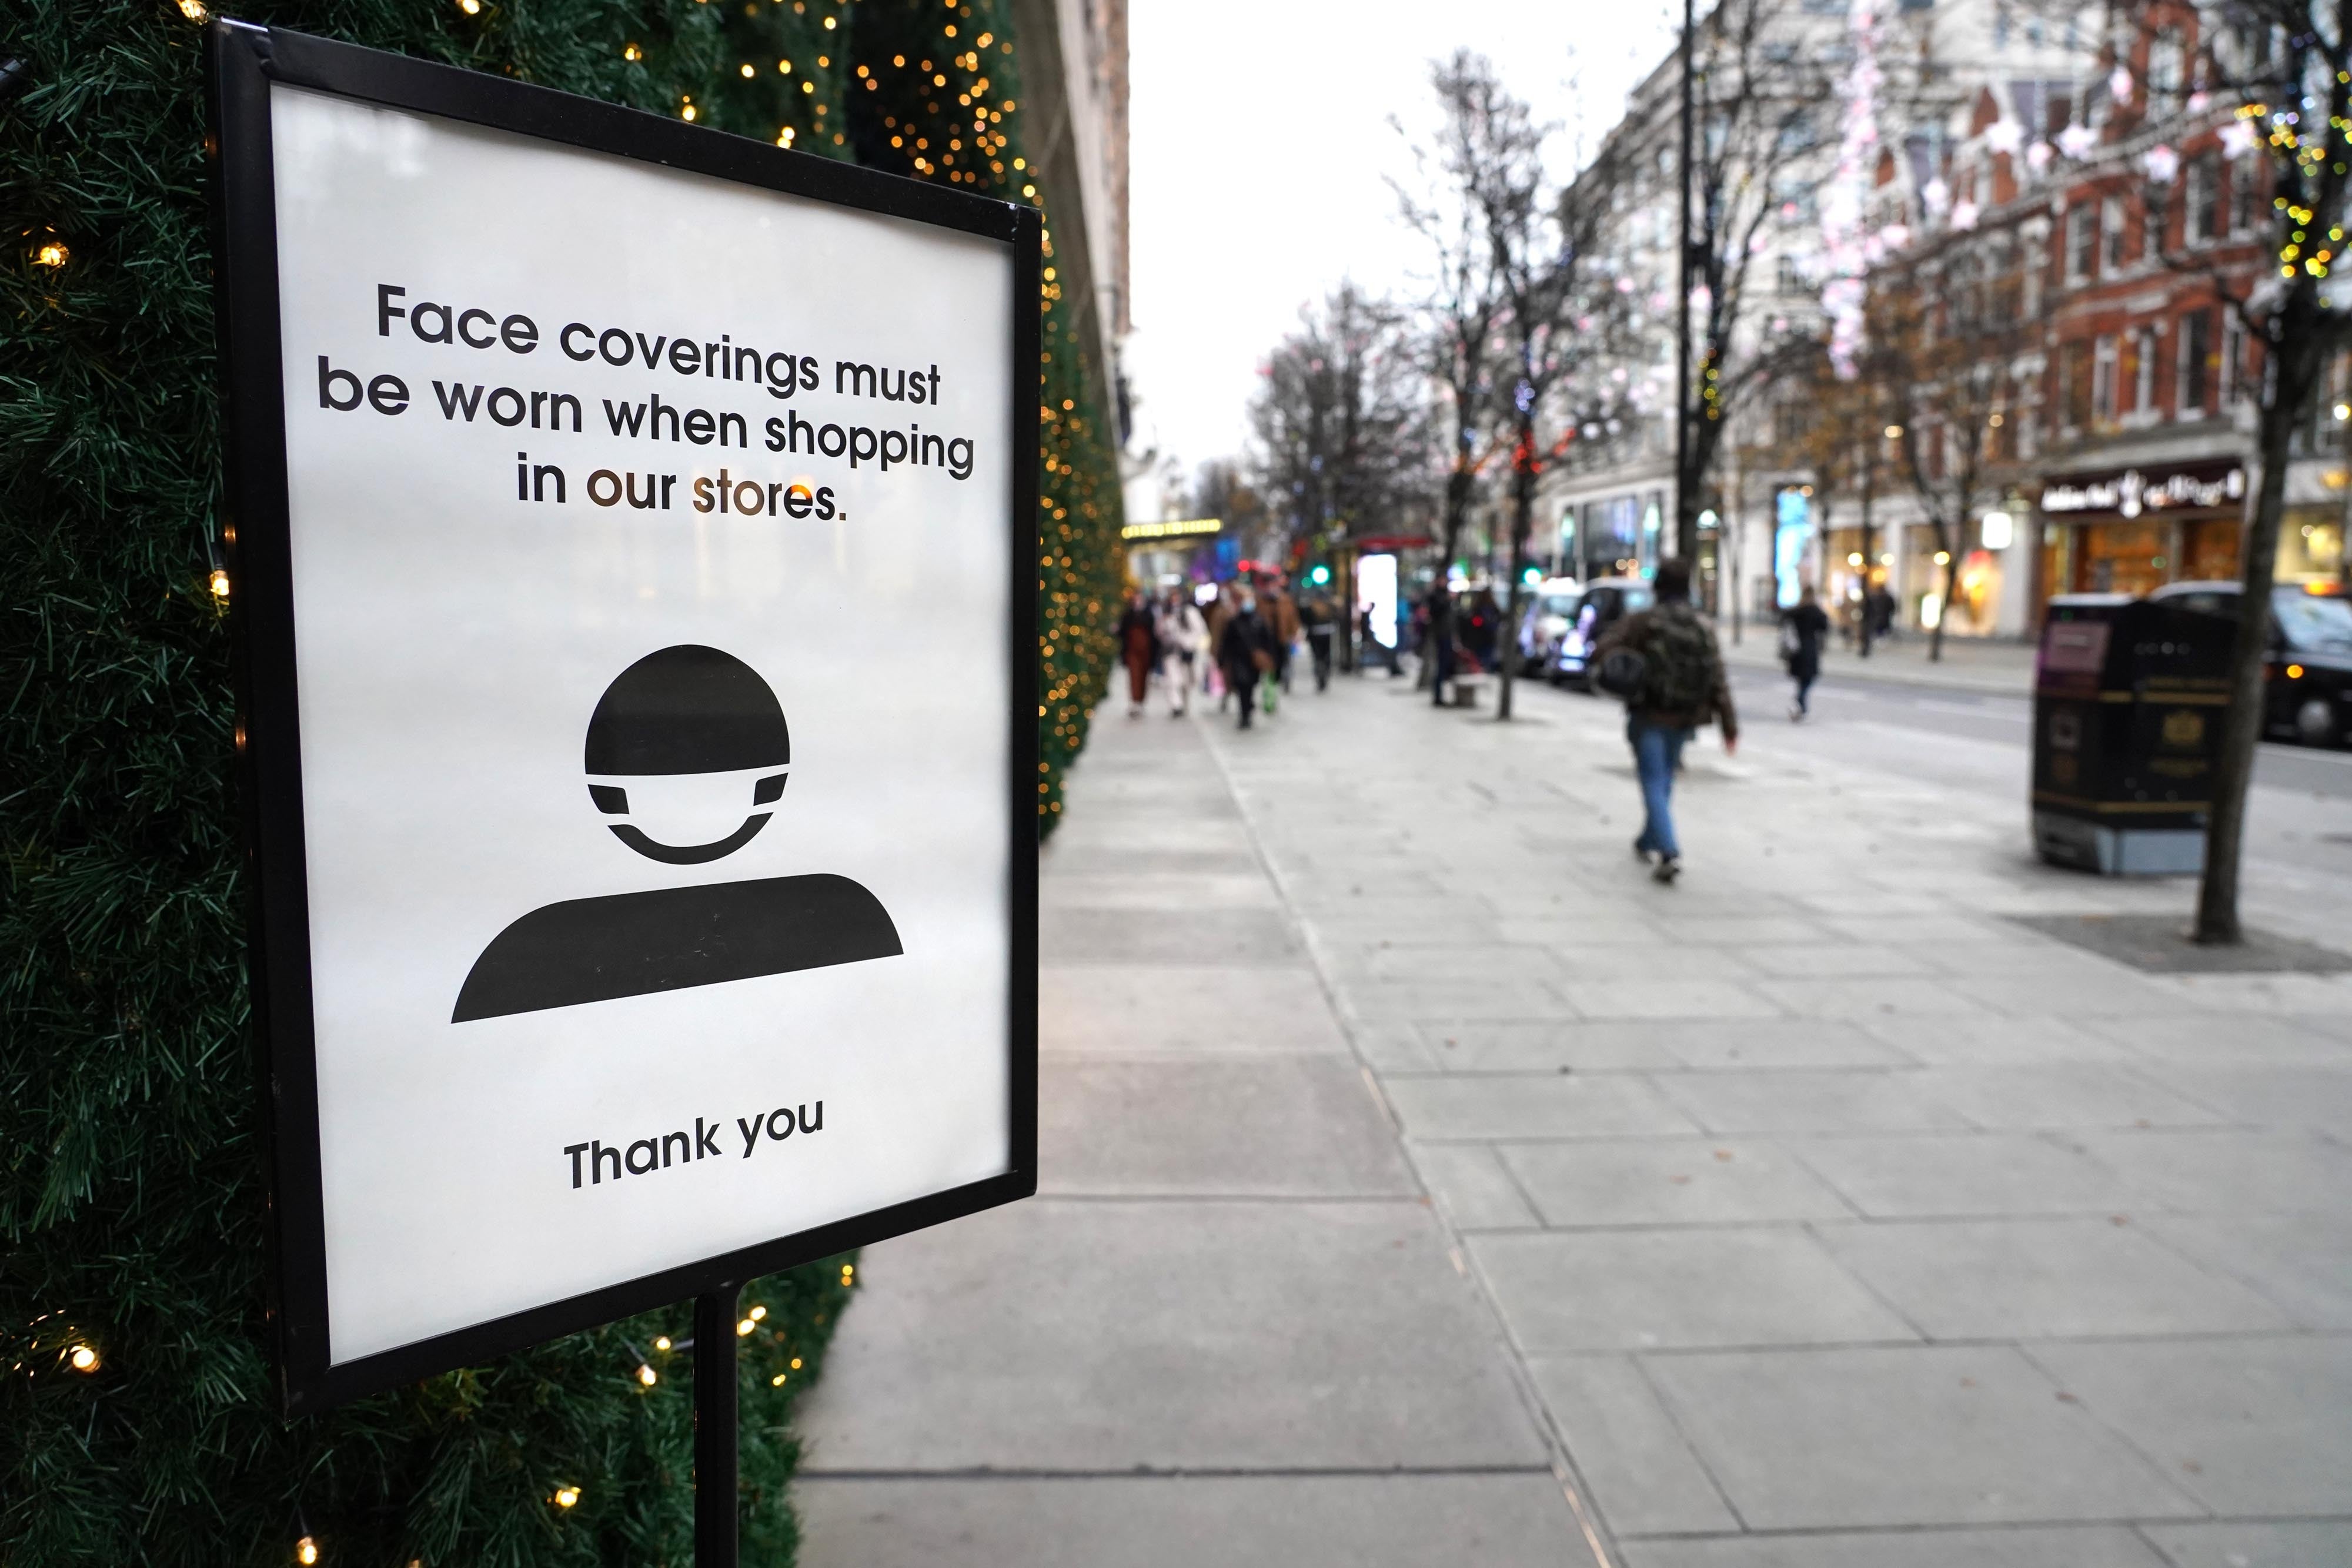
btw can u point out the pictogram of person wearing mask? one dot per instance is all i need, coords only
(681, 710)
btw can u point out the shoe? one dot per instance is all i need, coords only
(1642, 852)
(1796, 713)
(1667, 869)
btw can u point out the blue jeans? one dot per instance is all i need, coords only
(1657, 753)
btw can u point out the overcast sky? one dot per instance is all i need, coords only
(1260, 140)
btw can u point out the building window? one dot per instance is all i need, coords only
(2151, 223)
(2205, 213)
(2076, 369)
(2245, 189)
(2111, 229)
(2082, 236)
(2143, 371)
(1790, 276)
(2195, 365)
(2165, 59)
(2233, 359)
(2103, 380)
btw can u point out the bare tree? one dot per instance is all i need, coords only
(2275, 78)
(1761, 101)
(1947, 330)
(1340, 421)
(1832, 428)
(1465, 296)
(1556, 302)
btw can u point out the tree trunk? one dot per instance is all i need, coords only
(2297, 372)
(1951, 582)
(1869, 565)
(1523, 509)
(1944, 610)
(1440, 620)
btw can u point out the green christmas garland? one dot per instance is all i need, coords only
(137, 1410)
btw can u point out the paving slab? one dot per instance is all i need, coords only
(1677, 1289)
(1482, 1045)
(2310, 1544)
(1160, 890)
(1844, 1100)
(2225, 1171)
(1473, 1186)
(1932, 1436)
(1668, 998)
(1870, 999)
(2090, 1547)
(1982, 1040)
(2043, 1278)
(1531, 1105)
(1964, 1174)
(1295, 1127)
(1628, 1448)
(2022, 1097)
(1183, 1009)
(1232, 937)
(2302, 1263)
(1410, 1520)
(2265, 1094)
(1670, 1181)
(1749, 1044)
(1058, 1334)
(2194, 1035)
(2247, 1427)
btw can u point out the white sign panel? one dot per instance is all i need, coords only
(651, 553)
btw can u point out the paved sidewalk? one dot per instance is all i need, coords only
(1231, 1328)
(1813, 1212)
(1999, 667)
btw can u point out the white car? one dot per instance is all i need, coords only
(1550, 611)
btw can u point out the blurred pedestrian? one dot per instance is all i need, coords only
(1244, 652)
(1880, 606)
(1435, 660)
(1803, 626)
(1183, 637)
(1220, 612)
(1479, 630)
(1280, 613)
(1137, 649)
(1321, 620)
(1673, 685)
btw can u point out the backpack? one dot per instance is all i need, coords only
(1680, 654)
(1620, 674)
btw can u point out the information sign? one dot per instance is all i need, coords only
(629, 537)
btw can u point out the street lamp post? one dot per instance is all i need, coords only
(1684, 501)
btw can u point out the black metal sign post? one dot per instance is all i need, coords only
(715, 1462)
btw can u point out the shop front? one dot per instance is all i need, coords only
(2128, 530)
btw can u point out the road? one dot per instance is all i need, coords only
(2007, 721)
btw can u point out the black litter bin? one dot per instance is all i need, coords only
(2129, 695)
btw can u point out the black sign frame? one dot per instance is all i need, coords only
(243, 63)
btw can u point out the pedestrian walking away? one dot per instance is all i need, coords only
(1137, 649)
(1246, 653)
(1275, 608)
(1183, 636)
(1321, 620)
(1803, 626)
(1664, 663)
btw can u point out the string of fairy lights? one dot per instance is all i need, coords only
(67, 1349)
(952, 115)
